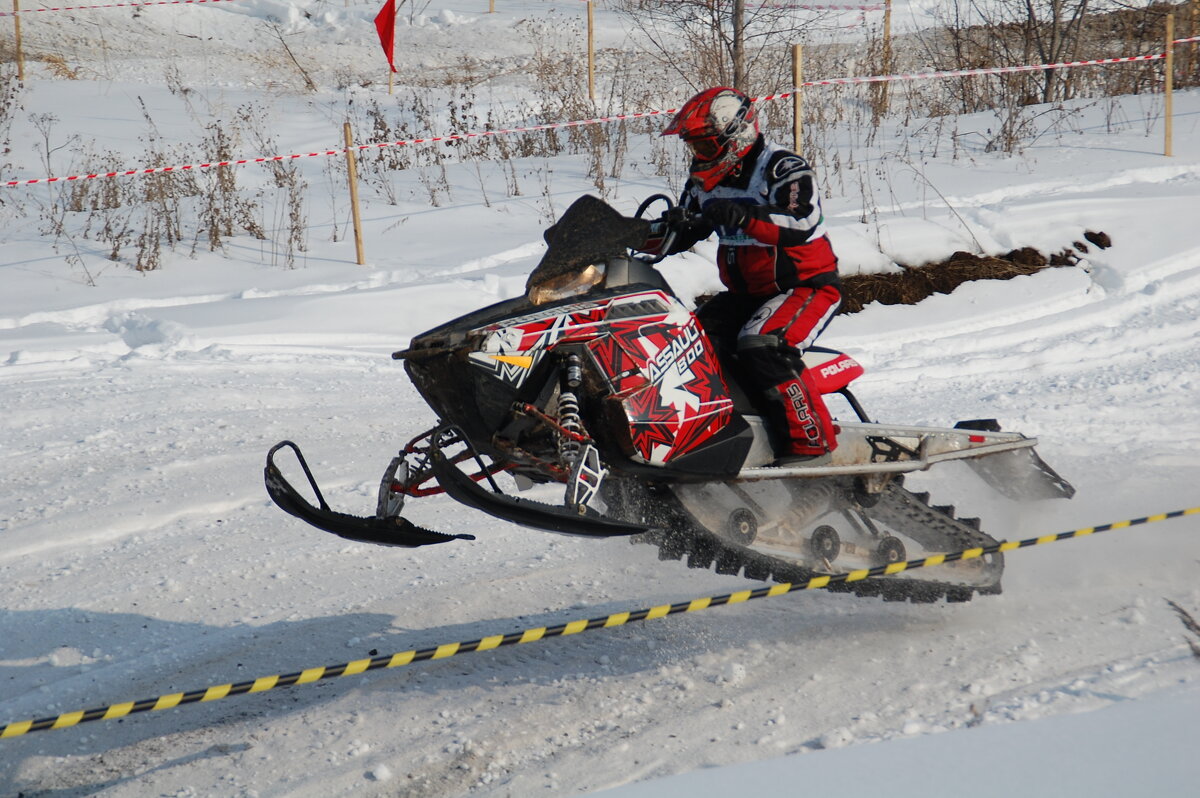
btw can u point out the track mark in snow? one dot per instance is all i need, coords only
(1047, 190)
(1152, 175)
(1083, 689)
(95, 529)
(90, 317)
(520, 253)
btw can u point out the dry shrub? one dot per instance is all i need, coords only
(58, 66)
(1191, 625)
(134, 220)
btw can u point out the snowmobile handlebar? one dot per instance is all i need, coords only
(669, 224)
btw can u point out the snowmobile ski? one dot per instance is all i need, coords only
(385, 531)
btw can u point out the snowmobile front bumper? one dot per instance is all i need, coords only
(551, 518)
(393, 531)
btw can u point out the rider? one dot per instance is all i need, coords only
(775, 261)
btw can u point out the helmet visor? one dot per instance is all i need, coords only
(705, 148)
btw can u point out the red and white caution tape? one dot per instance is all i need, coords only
(111, 5)
(193, 2)
(823, 7)
(597, 120)
(956, 73)
(404, 143)
(164, 169)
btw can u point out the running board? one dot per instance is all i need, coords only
(1005, 460)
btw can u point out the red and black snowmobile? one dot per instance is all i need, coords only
(601, 381)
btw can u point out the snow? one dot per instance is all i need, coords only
(141, 556)
(1040, 758)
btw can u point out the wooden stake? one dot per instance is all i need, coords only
(887, 36)
(1169, 86)
(17, 33)
(353, 174)
(591, 25)
(885, 89)
(797, 99)
(392, 72)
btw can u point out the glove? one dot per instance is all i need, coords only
(724, 213)
(676, 217)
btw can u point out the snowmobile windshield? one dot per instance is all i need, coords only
(585, 237)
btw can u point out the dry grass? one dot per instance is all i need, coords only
(1191, 625)
(58, 66)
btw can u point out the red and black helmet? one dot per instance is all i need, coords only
(720, 125)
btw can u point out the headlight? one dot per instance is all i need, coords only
(566, 285)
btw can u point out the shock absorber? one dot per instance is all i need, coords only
(569, 420)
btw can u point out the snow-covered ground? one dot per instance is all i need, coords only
(142, 557)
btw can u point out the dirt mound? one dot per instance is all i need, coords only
(917, 282)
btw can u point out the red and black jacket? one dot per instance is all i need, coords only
(783, 244)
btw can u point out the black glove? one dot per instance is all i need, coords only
(674, 219)
(724, 213)
(676, 216)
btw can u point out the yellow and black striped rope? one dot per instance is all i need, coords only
(402, 658)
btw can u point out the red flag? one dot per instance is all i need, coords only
(385, 23)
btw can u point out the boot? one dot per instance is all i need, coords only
(793, 407)
(797, 411)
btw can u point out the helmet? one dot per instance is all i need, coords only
(720, 125)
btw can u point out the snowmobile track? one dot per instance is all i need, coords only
(934, 527)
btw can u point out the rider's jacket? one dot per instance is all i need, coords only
(783, 244)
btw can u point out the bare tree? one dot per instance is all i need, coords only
(715, 42)
(1003, 32)
(739, 43)
(1053, 29)
(988, 33)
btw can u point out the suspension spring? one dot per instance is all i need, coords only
(810, 501)
(569, 420)
(571, 425)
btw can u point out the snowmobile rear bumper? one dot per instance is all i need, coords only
(394, 531)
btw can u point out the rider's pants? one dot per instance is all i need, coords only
(769, 337)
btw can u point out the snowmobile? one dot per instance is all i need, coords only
(599, 386)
